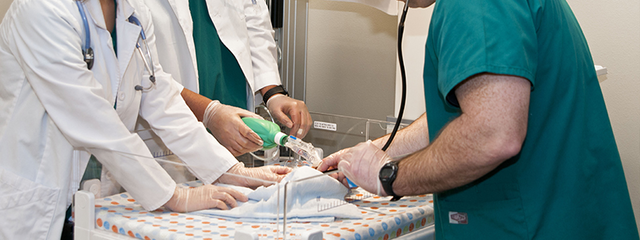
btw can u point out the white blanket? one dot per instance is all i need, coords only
(320, 199)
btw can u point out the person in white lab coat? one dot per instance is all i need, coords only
(55, 112)
(225, 50)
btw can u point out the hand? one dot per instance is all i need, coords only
(331, 162)
(281, 106)
(225, 123)
(204, 197)
(254, 177)
(362, 164)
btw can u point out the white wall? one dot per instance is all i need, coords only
(414, 40)
(612, 29)
(350, 60)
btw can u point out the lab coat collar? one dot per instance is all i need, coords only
(176, 9)
(94, 8)
(127, 33)
(183, 15)
(124, 10)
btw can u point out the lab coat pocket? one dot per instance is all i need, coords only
(500, 219)
(27, 208)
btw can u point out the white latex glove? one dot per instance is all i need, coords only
(225, 123)
(281, 106)
(254, 177)
(331, 162)
(362, 164)
(204, 197)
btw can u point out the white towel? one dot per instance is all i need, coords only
(319, 199)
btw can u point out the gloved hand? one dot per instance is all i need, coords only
(331, 162)
(362, 164)
(254, 177)
(281, 106)
(225, 123)
(204, 197)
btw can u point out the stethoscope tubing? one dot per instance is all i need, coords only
(402, 75)
(83, 15)
(87, 52)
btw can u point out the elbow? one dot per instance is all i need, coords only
(504, 146)
(511, 148)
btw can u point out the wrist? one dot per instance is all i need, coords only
(279, 90)
(274, 97)
(174, 202)
(387, 175)
(209, 112)
(236, 168)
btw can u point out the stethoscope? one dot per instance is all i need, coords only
(403, 76)
(88, 54)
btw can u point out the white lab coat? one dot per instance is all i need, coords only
(244, 26)
(54, 113)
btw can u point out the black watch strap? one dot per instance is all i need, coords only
(273, 91)
(387, 175)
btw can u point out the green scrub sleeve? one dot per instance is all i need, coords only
(483, 36)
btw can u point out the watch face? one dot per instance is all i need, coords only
(386, 172)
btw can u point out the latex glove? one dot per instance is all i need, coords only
(281, 106)
(331, 162)
(254, 177)
(204, 197)
(362, 164)
(225, 123)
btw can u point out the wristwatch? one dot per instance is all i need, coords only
(273, 91)
(387, 175)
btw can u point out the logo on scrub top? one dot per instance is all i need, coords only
(458, 218)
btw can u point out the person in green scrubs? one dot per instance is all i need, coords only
(223, 53)
(220, 75)
(519, 142)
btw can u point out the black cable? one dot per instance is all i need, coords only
(402, 74)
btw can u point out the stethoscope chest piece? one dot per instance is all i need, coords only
(87, 51)
(88, 57)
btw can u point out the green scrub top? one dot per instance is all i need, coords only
(220, 75)
(567, 182)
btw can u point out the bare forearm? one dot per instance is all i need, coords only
(455, 158)
(408, 140)
(197, 103)
(490, 130)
